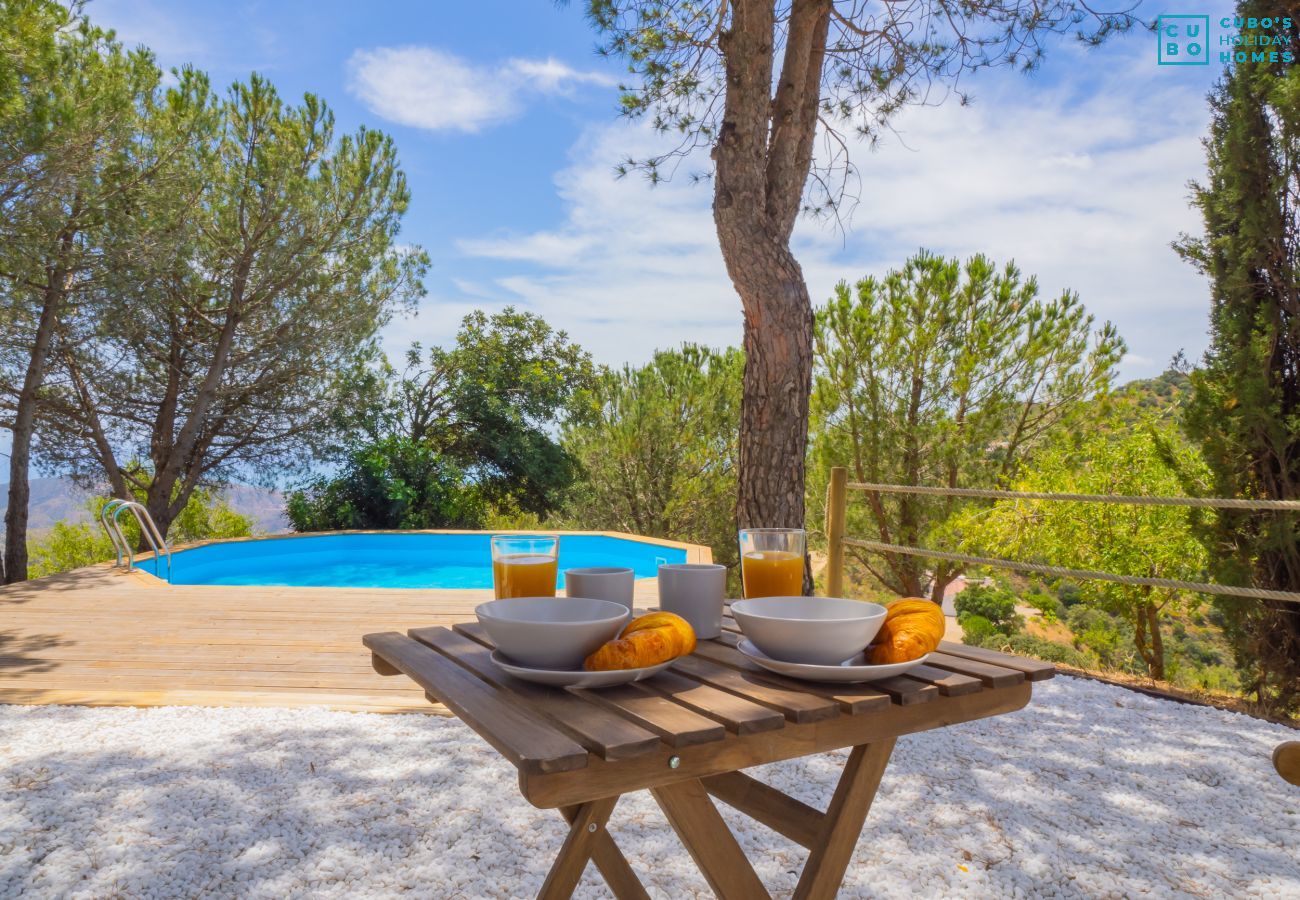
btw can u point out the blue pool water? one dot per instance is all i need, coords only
(392, 560)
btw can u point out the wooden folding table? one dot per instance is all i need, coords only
(688, 732)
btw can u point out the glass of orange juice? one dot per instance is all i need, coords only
(525, 565)
(771, 561)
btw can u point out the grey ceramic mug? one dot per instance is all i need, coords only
(613, 583)
(695, 591)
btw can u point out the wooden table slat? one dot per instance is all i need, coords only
(1034, 669)
(528, 741)
(852, 699)
(905, 691)
(739, 715)
(950, 684)
(610, 737)
(796, 704)
(992, 676)
(676, 725)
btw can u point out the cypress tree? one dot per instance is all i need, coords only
(1245, 409)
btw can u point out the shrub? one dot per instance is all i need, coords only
(976, 629)
(1051, 609)
(995, 604)
(1106, 636)
(1041, 648)
(392, 483)
(69, 546)
(1069, 594)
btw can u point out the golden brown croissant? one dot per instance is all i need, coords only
(646, 641)
(913, 627)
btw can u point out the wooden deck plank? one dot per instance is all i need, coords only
(100, 637)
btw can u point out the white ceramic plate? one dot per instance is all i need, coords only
(576, 678)
(848, 672)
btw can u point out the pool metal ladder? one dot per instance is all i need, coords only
(109, 514)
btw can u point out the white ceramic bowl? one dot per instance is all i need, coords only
(821, 631)
(551, 632)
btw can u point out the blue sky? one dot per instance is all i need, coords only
(506, 122)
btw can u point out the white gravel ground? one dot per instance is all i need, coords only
(1092, 791)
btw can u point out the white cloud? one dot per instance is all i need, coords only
(551, 76)
(428, 88)
(1084, 192)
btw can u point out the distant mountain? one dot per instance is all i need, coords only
(60, 499)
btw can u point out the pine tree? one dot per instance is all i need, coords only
(1245, 410)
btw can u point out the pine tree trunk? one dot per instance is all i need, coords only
(774, 411)
(20, 455)
(763, 153)
(777, 383)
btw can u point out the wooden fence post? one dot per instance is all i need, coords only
(836, 500)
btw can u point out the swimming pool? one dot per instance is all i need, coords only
(411, 560)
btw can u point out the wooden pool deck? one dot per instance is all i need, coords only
(104, 637)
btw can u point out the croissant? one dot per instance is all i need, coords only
(646, 641)
(913, 627)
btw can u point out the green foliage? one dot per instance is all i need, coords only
(253, 262)
(943, 373)
(994, 604)
(1109, 638)
(492, 404)
(660, 452)
(70, 100)
(1121, 539)
(1050, 608)
(208, 516)
(68, 546)
(1069, 593)
(462, 437)
(1162, 397)
(1245, 411)
(511, 518)
(1041, 648)
(72, 545)
(393, 483)
(976, 629)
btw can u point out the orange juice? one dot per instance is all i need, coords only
(522, 575)
(772, 573)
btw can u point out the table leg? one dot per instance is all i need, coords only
(709, 841)
(824, 871)
(577, 849)
(611, 862)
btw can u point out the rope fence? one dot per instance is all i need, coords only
(1203, 502)
(835, 519)
(1062, 572)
